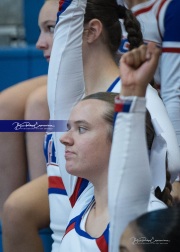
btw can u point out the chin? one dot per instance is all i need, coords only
(71, 170)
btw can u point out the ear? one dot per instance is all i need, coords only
(94, 28)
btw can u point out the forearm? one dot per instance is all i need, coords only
(65, 76)
(129, 180)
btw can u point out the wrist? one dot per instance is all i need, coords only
(130, 104)
(133, 91)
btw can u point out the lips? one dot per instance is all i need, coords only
(69, 154)
(47, 57)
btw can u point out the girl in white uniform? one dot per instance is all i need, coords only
(66, 59)
(66, 89)
(88, 229)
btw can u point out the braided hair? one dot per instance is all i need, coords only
(132, 27)
(164, 195)
(110, 13)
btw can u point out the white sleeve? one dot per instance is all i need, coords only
(65, 76)
(65, 89)
(155, 203)
(129, 179)
(165, 141)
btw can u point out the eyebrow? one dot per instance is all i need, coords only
(48, 21)
(78, 122)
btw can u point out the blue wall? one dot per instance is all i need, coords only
(21, 63)
(31, 12)
(18, 64)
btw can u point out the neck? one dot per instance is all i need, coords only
(98, 217)
(99, 71)
(101, 192)
(101, 199)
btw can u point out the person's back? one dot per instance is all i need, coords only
(158, 21)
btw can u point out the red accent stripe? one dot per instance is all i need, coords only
(118, 107)
(74, 196)
(146, 9)
(70, 228)
(56, 182)
(171, 50)
(160, 6)
(61, 2)
(157, 16)
(102, 244)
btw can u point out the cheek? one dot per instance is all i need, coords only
(49, 42)
(84, 52)
(99, 148)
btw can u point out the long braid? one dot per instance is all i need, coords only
(109, 13)
(132, 27)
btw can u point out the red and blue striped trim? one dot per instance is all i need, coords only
(143, 10)
(56, 186)
(63, 5)
(121, 106)
(102, 241)
(81, 184)
(170, 50)
(70, 227)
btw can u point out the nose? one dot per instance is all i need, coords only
(41, 43)
(67, 139)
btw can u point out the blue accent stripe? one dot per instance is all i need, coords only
(172, 19)
(106, 234)
(64, 6)
(126, 107)
(82, 232)
(84, 184)
(113, 85)
(57, 191)
(122, 107)
(77, 225)
(73, 220)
